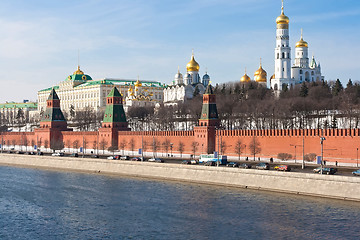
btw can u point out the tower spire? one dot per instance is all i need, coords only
(260, 62)
(301, 34)
(282, 7)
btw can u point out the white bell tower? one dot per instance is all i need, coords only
(282, 54)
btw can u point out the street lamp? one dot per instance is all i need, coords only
(171, 147)
(357, 157)
(322, 139)
(295, 153)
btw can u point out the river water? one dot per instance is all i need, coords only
(37, 204)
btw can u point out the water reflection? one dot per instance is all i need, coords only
(43, 204)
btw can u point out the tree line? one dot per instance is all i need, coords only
(316, 105)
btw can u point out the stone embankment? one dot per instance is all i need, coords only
(330, 186)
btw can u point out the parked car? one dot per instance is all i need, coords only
(9, 152)
(136, 159)
(356, 173)
(19, 152)
(39, 153)
(210, 163)
(186, 162)
(111, 158)
(263, 166)
(58, 154)
(74, 155)
(232, 164)
(329, 171)
(124, 158)
(94, 156)
(245, 165)
(30, 153)
(193, 162)
(156, 160)
(284, 168)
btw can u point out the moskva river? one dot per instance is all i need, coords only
(36, 204)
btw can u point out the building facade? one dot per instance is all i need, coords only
(185, 87)
(79, 91)
(10, 110)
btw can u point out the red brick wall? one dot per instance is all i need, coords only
(175, 137)
(340, 144)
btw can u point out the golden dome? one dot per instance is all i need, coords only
(245, 78)
(193, 66)
(301, 43)
(282, 19)
(138, 83)
(78, 71)
(260, 75)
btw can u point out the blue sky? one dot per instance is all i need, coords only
(40, 39)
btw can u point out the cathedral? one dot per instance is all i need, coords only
(183, 88)
(302, 69)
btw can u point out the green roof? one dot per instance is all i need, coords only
(18, 105)
(53, 95)
(110, 81)
(49, 89)
(124, 82)
(79, 77)
(114, 93)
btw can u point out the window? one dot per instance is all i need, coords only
(301, 71)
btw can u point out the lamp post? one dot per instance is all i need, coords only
(303, 160)
(295, 153)
(171, 147)
(322, 139)
(357, 157)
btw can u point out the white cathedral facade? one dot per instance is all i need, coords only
(183, 88)
(302, 69)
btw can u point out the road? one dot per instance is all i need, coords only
(343, 171)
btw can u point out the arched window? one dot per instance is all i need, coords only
(312, 73)
(301, 71)
(278, 55)
(275, 87)
(283, 55)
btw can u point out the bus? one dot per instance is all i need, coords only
(210, 157)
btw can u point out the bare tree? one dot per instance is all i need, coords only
(181, 148)
(254, 147)
(194, 148)
(85, 143)
(223, 147)
(33, 143)
(46, 144)
(122, 145)
(76, 145)
(238, 148)
(103, 145)
(145, 146)
(68, 144)
(166, 145)
(132, 145)
(155, 146)
(94, 145)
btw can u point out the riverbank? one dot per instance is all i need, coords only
(329, 186)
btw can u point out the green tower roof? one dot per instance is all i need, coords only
(53, 95)
(209, 90)
(114, 112)
(114, 93)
